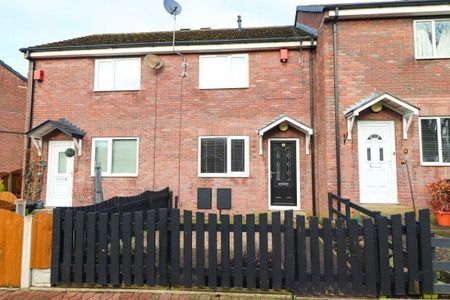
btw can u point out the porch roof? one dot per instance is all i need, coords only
(37, 133)
(292, 122)
(405, 109)
(284, 118)
(399, 106)
(49, 126)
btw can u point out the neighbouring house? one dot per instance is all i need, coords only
(383, 72)
(251, 118)
(13, 95)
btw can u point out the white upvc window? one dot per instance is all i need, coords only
(223, 71)
(435, 141)
(116, 156)
(432, 38)
(223, 156)
(118, 74)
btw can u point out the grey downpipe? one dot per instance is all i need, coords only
(30, 121)
(336, 106)
(311, 109)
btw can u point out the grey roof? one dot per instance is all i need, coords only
(63, 125)
(4, 65)
(320, 8)
(183, 37)
(368, 99)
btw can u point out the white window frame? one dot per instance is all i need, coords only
(246, 172)
(226, 85)
(433, 39)
(108, 173)
(113, 61)
(438, 121)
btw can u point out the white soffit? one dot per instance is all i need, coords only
(419, 10)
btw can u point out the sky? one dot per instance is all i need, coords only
(32, 22)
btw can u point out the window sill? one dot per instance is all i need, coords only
(118, 175)
(224, 88)
(432, 58)
(219, 175)
(435, 164)
(131, 90)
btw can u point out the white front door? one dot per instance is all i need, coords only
(59, 175)
(377, 164)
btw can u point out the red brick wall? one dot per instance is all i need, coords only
(12, 120)
(275, 88)
(377, 56)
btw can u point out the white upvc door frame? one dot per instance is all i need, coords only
(297, 156)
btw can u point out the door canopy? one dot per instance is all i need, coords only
(292, 123)
(37, 133)
(406, 110)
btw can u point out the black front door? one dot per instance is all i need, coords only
(283, 173)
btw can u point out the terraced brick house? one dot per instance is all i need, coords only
(251, 119)
(13, 91)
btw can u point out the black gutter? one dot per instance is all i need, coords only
(311, 109)
(378, 4)
(162, 44)
(336, 106)
(30, 120)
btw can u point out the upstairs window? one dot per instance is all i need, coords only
(435, 141)
(432, 38)
(223, 71)
(121, 74)
(223, 156)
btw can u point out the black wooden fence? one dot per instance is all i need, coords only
(268, 251)
(142, 202)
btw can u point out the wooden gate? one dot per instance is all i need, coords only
(11, 237)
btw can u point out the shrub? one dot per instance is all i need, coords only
(2, 186)
(440, 195)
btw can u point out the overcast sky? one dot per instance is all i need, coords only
(32, 22)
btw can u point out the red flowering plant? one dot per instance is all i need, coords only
(440, 195)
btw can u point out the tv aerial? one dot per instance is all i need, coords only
(153, 61)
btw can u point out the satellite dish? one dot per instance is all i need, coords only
(153, 61)
(172, 7)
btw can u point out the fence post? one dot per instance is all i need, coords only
(26, 252)
(330, 205)
(425, 251)
(347, 209)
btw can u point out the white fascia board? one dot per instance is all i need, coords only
(422, 10)
(408, 107)
(168, 49)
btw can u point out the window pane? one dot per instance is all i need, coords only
(213, 155)
(127, 74)
(369, 156)
(101, 154)
(381, 154)
(429, 140)
(124, 156)
(424, 47)
(239, 73)
(442, 38)
(104, 76)
(237, 156)
(445, 138)
(214, 72)
(62, 162)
